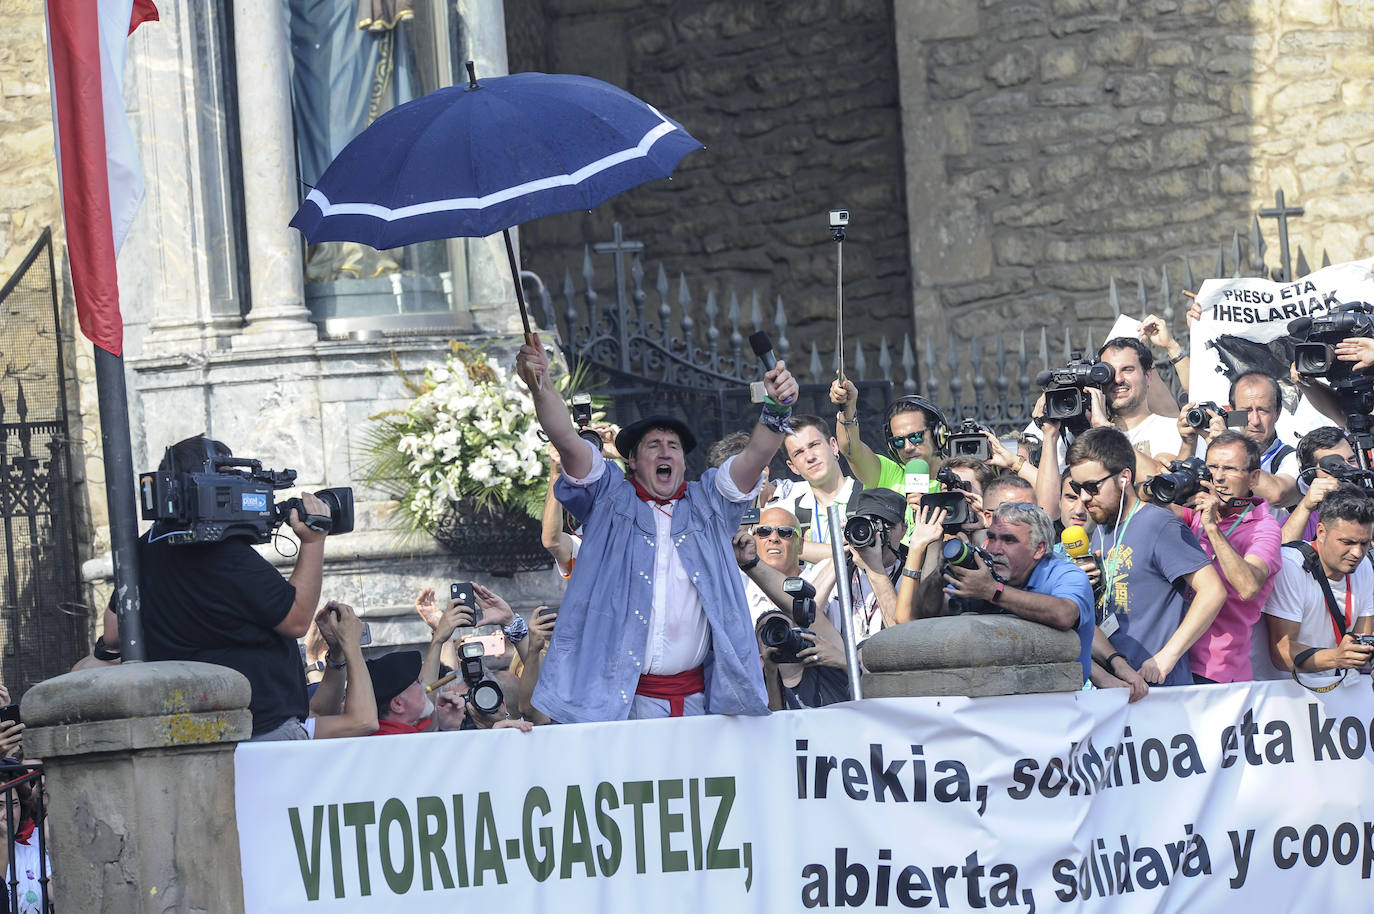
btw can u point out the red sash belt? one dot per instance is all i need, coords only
(672, 689)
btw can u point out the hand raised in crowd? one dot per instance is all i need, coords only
(1351, 655)
(842, 391)
(494, 610)
(347, 624)
(541, 628)
(746, 550)
(998, 455)
(1154, 331)
(608, 431)
(426, 608)
(1049, 428)
(1357, 349)
(822, 652)
(1194, 310)
(1207, 505)
(316, 644)
(532, 364)
(1321, 487)
(555, 467)
(450, 707)
(312, 505)
(780, 384)
(927, 528)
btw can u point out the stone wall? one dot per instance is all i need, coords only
(1051, 146)
(28, 172)
(796, 102)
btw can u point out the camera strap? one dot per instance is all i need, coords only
(1311, 563)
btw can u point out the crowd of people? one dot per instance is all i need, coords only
(1183, 548)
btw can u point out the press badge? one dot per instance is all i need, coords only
(1109, 625)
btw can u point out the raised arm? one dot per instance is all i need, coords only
(765, 440)
(533, 366)
(862, 461)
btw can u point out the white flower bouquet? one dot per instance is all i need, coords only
(470, 436)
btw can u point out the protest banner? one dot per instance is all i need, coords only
(1255, 796)
(1244, 327)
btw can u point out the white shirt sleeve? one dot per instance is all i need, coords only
(596, 472)
(725, 483)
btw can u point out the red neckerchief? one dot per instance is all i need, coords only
(645, 495)
(25, 832)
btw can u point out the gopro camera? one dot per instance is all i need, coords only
(839, 218)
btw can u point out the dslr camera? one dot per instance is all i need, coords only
(958, 552)
(863, 530)
(483, 693)
(1065, 400)
(1199, 416)
(951, 498)
(969, 441)
(1338, 468)
(1182, 482)
(1314, 355)
(232, 496)
(784, 633)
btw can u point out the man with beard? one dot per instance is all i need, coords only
(1149, 558)
(657, 591)
(1036, 584)
(1304, 635)
(1241, 537)
(1126, 399)
(814, 455)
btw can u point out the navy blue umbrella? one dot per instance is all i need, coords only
(471, 161)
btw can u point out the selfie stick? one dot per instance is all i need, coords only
(851, 651)
(837, 231)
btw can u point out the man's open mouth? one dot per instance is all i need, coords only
(664, 471)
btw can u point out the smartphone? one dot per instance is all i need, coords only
(549, 611)
(493, 645)
(463, 593)
(366, 638)
(9, 714)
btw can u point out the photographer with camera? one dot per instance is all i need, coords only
(1320, 615)
(803, 664)
(663, 593)
(341, 707)
(1325, 458)
(1024, 577)
(1241, 537)
(1254, 406)
(1149, 558)
(208, 595)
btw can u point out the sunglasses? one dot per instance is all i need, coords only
(915, 439)
(1090, 487)
(764, 531)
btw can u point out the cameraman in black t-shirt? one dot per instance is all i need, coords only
(222, 602)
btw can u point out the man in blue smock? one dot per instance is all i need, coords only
(654, 622)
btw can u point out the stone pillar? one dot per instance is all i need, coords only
(973, 655)
(262, 55)
(139, 762)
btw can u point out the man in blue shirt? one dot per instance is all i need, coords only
(1036, 584)
(654, 622)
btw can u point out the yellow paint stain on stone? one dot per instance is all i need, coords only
(189, 729)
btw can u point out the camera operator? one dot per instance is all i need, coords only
(1034, 584)
(768, 556)
(1323, 596)
(221, 602)
(1258, 396)
(1152, 559)
(1314, 448)
(1241, 537)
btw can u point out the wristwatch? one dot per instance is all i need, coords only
(997, 594)
(329, 661)
(749, 564)
(913, 573)
(316, 666)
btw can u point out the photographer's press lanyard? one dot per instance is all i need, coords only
(1236, 523)
(1109, 567)
(1349, 613)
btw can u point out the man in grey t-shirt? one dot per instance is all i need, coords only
(1150, 558)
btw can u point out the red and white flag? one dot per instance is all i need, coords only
(97, 162)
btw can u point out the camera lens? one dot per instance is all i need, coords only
(1197, 417)
(773, 631)
(860, 531)
(486, 696)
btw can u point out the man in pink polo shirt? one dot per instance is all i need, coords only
(1242, 539)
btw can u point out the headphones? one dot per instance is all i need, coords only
(937, 426)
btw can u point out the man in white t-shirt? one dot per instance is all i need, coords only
(1304, 634)
(813, 454)
(1127, 400)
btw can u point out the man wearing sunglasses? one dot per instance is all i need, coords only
(1150, 559)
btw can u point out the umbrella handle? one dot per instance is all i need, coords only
(533, 381)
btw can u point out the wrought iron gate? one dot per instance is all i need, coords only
(43, 624)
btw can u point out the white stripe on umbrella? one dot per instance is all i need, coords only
(388, 214)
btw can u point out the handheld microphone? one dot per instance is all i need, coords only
(763, 348)
(1076, 544)
(917, 476)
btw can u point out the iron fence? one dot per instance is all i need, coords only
(654, 334)
(27, 875)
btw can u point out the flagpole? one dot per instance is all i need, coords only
(115, 445)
